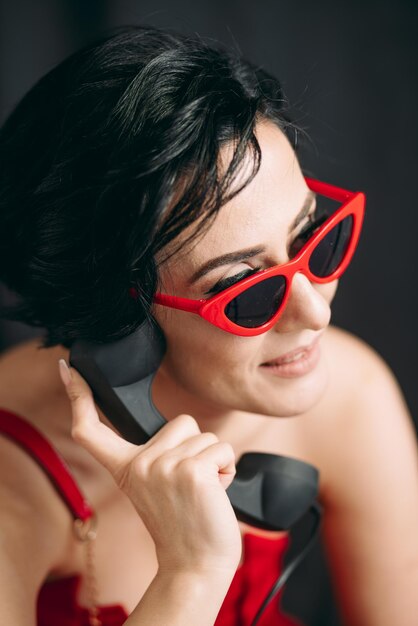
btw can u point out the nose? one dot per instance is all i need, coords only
(308, 305)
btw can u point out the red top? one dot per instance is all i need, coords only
(57, 600)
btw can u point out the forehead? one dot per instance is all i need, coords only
(259, 214)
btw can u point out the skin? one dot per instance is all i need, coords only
(347, 417)
(229, 377)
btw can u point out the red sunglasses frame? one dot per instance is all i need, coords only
(212, 309)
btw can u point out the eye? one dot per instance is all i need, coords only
(231, 280)
(315, 221)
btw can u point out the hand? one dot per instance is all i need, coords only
(176, 481)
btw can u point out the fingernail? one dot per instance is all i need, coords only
(65, 372)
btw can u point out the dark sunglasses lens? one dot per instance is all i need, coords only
(331, 250)
(256, 305)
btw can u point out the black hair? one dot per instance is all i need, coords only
(106, 160)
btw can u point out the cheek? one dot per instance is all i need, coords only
(198, 351)
(328, 290)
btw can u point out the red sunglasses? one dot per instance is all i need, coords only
(254, 304)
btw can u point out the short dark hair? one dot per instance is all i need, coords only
(94, 154)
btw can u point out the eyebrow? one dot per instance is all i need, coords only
(243, 255)
(307, 205)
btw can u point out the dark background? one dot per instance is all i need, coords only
(350, 72)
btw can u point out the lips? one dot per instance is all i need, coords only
(292, 356)
(295, 364)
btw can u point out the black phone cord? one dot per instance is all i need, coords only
(317, 513)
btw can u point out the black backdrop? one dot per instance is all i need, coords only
(350, 72)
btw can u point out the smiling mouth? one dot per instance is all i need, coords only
(294, 355)
(289, 359)
(295, 364)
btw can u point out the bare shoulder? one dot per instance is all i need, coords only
(352, 358)
(365, 419)
(358, 376)
(35, 533)
(363, 440)
(32, 515)
(34, 524)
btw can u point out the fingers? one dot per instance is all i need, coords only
(178, 440)
(223, 456)
(173, 433)
(172, 456)
(194, 445)
(202, 454)
(101, 441)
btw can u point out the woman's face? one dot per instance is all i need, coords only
(221, 371)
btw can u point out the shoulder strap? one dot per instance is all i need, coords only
(30, 439)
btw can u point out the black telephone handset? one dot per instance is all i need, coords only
(269, 491)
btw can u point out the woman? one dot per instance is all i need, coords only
(149, 163)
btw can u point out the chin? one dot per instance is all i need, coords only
(290, 397)
(292, 408)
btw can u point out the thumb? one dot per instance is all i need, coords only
(102, 442)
